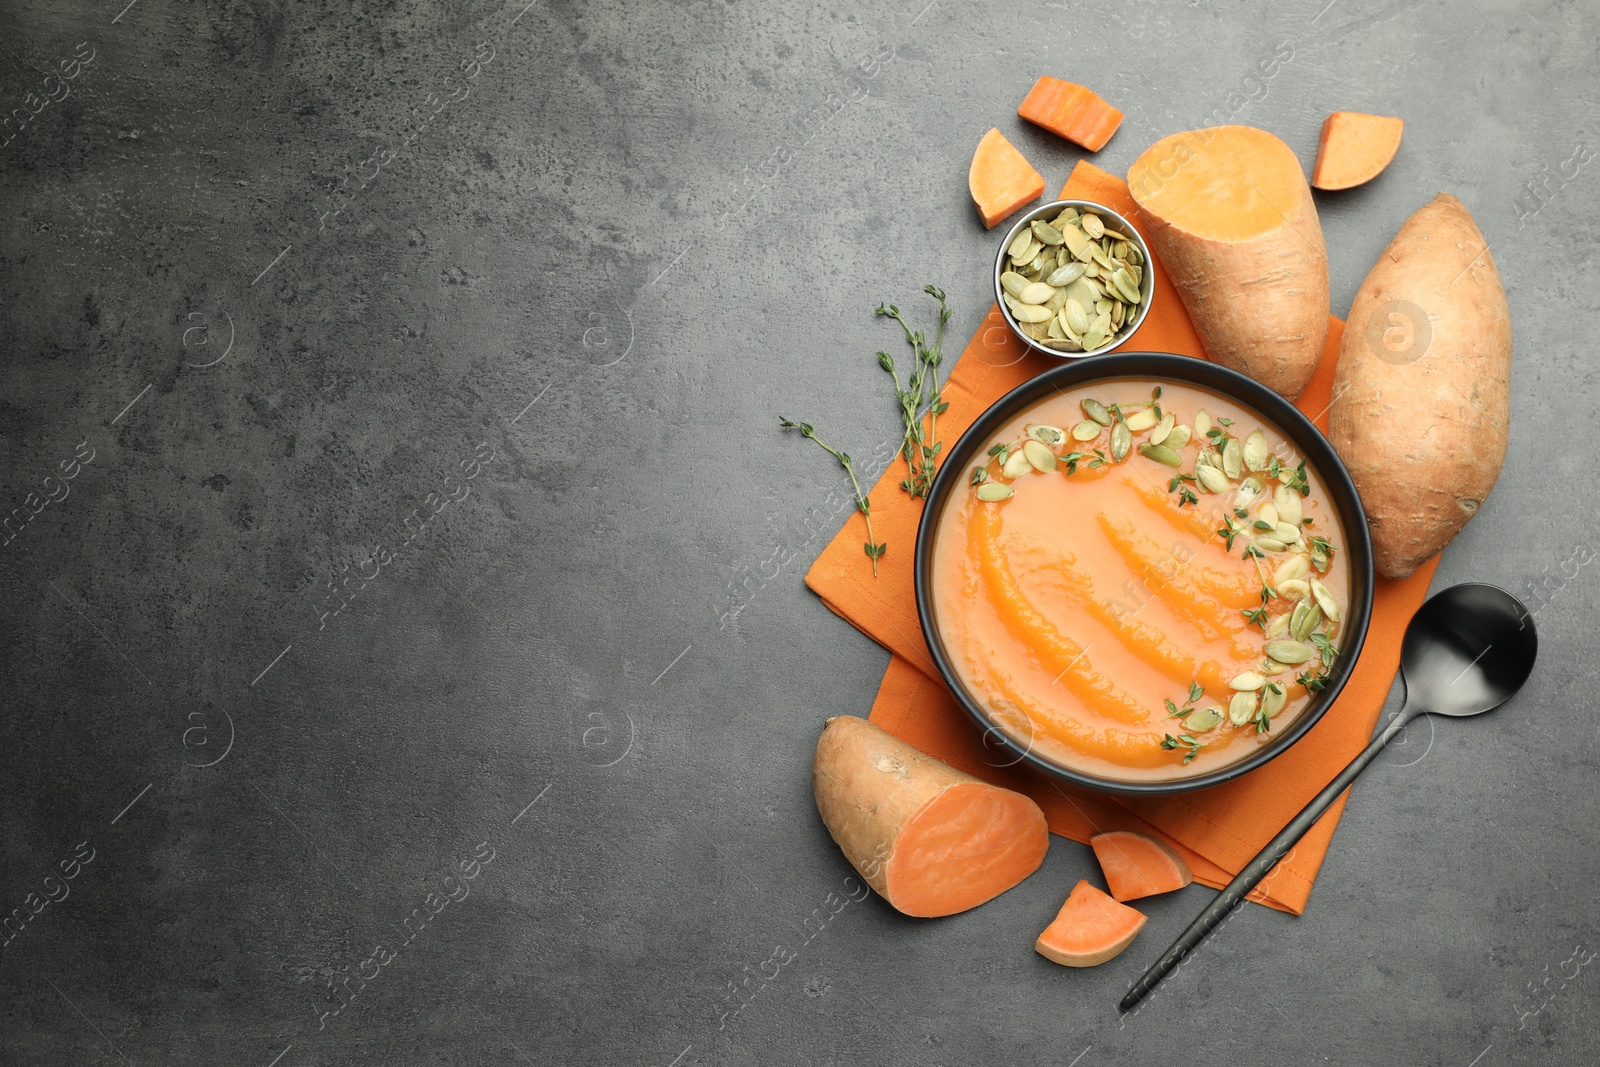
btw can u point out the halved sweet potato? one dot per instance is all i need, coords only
(929, 838)
(1090, 929)
(1000, 179)
(1138, 865)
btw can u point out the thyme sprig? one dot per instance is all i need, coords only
(872, 547)
(922, 392)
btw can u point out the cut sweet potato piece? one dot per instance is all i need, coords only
(929, 838)
(1138, 865)
(1071, 111)
(1090, 929)
(1230, 215)
(1355, 148)
(1000, 179)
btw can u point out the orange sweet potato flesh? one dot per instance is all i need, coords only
(930, 839)
(1231, 218)
(1090, 929)
(1355, 148)
(1071, 111)
(1000, 179)
(1138, 865)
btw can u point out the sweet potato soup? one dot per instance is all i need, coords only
(1144, 581)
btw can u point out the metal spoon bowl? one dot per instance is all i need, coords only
(1466, 651)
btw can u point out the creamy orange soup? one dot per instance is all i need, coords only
(1131, 618)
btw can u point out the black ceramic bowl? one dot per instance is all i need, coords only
(1158, 366)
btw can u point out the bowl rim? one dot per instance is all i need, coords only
(1311, 442)
(1147, 283)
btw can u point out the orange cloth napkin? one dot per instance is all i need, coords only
(1217, 830)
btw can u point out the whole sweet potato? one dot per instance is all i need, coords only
(1421, 396)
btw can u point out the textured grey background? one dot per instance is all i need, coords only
(659, 225)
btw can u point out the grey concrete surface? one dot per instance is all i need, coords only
(285, 281)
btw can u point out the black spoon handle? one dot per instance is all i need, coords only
(1257, 868)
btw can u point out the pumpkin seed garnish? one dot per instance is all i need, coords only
(992, 491)
(1015, 465)
(1231, 458)
(1163, 429)
(1142, 420)
(1121, 441)
(1179, 437)
(1067, 272)
(1255, 450)
(1202, 719)
(1087, 430)
(1046, 233)
(1049, 435)
(1241, 708)
(1039, 456)
(1096, 411)
(1325, 600)
(1247, 682)
(1211, 479)
(1161, 454)
(1202, 423)
(1093, 226)
(1289, 652)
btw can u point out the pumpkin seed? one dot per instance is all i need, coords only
(1030, 312)
(1161, 454)
(1053, 330)
(1094, 339)
(1270, 666)
(1142, 420)
(1293, 589)
(1015, 466)
(1242, 708)
(1125, 285)
(1019, 245)
(1278, 627)
(1077, 318)
(1249, 489)
(1304, 619)
(1121, 441)
(1202, 423)
(1115, 235)
(1039, 456)
(1093, 226)
(1067, 272)
(1248, 682)
(1255, 450)
(1106, 266)
(1048, 435)
(1273, 699)
(1325, 600)
(1135, 257)
(1211, 479)
(1067, 215)
(1231, 459)
(1067, 345)
(1012, 282)
(1036, 293)
(1076, 242)
(1087, 430)
(1102, 307)
(1268, 514)
(1096, 410)
(1202, 719)
(1286, 533)
(1046, 233)
(1289, 570)
(1289, 652)
(1320, 558)
(1288, 501)
(1118, 311)
(1091, 269)
(1057, 299)
(1163, 429)
(1271, 544)
(1205, 458)
(992, 491)
(1178, 437)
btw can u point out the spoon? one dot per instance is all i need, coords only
(1466, 651)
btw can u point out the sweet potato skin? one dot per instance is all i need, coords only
(1259, 305)
(1422, 393)
(870, 785)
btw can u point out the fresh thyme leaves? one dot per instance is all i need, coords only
(873, 548)
(1326, 647)
(1175, 712)
(921, 393)
(1186, 742)
(1314, 681)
